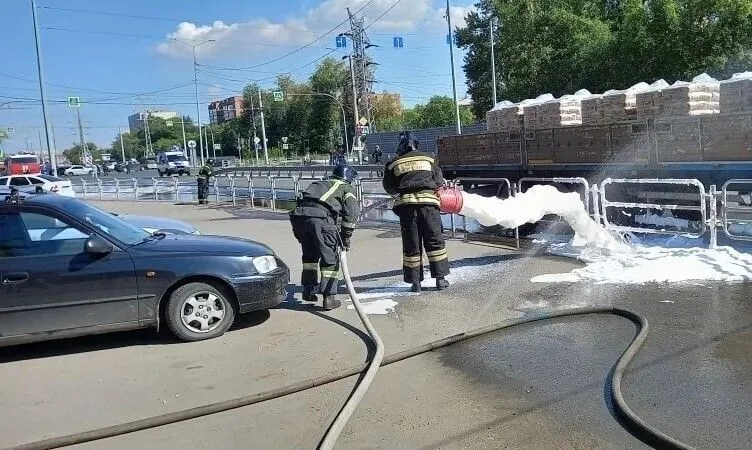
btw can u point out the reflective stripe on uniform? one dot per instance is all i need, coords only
(348, 225)
(413, 164)
(436, 256)
(421, 198)
(330, 273)
(412, 261)
(410, 159)
(332, 190)
(350, 195)
(311, 266)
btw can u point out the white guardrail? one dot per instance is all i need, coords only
(620, 204)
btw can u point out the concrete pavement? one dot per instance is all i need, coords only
(538, 386)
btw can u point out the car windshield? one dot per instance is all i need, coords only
(24, 160)
(176, 158)
(107, 223)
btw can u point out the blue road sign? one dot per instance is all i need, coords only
(341, 41)
(398, 42)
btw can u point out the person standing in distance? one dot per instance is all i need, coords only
(314, 224)
(204, 175)
(414, 177)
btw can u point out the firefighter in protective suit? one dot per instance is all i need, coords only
(314, 224)
(414, 177)
(206, 172)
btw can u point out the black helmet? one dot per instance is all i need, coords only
(345, 173)
(406, 143)
(210, 162)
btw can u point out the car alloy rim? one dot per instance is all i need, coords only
(203, 312)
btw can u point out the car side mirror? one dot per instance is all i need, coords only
(97, 245)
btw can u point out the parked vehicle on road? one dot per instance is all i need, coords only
(69, 269)
(78, 171)
(22, 163)
(49, 183)
(149, 164)
(173, 163)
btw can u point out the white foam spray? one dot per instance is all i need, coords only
(532, 205)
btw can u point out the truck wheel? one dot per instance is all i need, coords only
(199, 311)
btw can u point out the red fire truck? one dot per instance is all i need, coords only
(22, 163)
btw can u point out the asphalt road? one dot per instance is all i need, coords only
(537, 386)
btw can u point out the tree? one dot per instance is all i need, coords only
(133, 147)
(387, 112)
(438, 112)
(331, 77)
(560, 46)
(74, 154)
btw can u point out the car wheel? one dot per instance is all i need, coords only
(199, 311)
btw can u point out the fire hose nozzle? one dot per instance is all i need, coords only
(450, 199)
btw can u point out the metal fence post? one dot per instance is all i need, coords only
(99, 183)
(135, 188)
(232, 191)
(117, 188)
(273, 187)
(155, 186)
(83, 187)
(216, 190)
(713, 221)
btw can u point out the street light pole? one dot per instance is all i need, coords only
(51, 150)
(493, 61)
(185, 143)
(122, 144)
(263, 128)
(451, 60)
(198, 108)
(355, 97)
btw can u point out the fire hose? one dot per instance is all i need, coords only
(631, 421)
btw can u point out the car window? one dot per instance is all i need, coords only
(13, 240)
(35, 180)
(19, 181)
(51, 236)
(3, 181)
(113, 226)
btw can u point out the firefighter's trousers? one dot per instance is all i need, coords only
(203, 189)
(319, 239)
(421, 229)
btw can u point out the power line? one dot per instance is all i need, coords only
(298, 49)
(382, 14)
(172, 19)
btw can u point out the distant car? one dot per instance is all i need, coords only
(149, 164)
(69, 269)
(111, 165)
(173, 163)
(78, 170)
(49, 183)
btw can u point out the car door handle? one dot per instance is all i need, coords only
(14, 278)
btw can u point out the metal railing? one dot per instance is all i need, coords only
(701, 207)
(727, 209)
(255, 188)
(511, 191)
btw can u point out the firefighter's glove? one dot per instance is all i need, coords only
(345, 240)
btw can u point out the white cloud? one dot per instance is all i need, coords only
(259, 34)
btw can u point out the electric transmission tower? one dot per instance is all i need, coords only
(361, 68)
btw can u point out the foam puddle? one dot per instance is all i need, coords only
(382, 301)
(609, 259)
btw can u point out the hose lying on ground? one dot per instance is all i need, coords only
(631, 421)
(373, 366)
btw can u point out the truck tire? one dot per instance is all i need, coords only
(199, 311)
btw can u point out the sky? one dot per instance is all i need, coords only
(121, 57)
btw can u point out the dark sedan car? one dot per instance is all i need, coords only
(69, 269)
